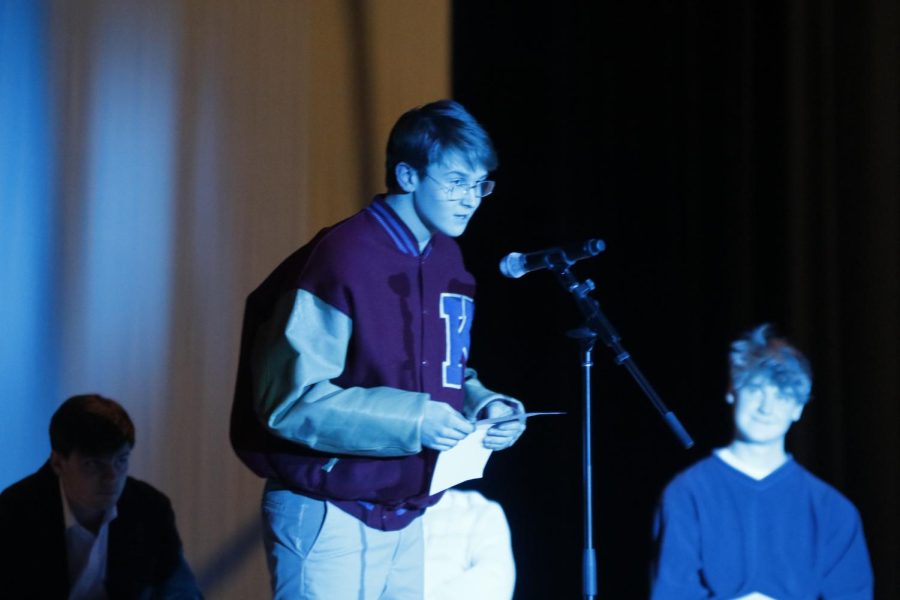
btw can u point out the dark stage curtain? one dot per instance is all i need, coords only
(741, 161)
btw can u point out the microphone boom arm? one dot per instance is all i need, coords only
(600, 326)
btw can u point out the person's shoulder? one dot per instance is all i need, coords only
(343, 233)
(691, 480)
(30, 504)
(142, 495)
(697, 470)
(331, 256)
(345, 246)
(374, 224)
(824, 494)
(25, 489)
(332, 239)
(17, 489)
(817, 485)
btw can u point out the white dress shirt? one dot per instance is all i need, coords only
(468, 553)
(86, 553)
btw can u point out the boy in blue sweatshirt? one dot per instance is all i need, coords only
(749, 522)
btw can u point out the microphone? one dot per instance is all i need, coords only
(516, 264)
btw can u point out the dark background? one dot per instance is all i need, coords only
(740, 160)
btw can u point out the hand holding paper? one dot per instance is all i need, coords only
(443, 427)
(464, 461)
(504, 433)
(467, 459)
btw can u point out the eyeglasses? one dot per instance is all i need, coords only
(458, 189)
(776, 398)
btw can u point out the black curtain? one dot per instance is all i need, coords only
(742, 162)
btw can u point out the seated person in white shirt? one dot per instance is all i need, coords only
(468, 553)
(80, 528)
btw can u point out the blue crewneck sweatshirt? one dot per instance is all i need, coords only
(791, 536)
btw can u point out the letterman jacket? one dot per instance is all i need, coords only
(342, 346)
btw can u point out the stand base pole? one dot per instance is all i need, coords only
(589, 570)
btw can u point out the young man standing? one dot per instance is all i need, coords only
(353, 374)
(749, 522)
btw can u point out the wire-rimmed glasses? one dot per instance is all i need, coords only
(459, 189)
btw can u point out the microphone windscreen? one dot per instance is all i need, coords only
(513, 265)
(595, 247)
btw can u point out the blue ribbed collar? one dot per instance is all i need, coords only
(396, 229)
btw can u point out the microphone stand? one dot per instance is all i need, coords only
(597, 325)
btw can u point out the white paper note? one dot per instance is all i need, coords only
(515, 417)
(464, 461)
(467, 459)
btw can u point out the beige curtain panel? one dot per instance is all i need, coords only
(196, 144)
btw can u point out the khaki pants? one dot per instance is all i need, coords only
(316, 551)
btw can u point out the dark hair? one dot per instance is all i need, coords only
(90, 424)
(426, 134)
(759, 353)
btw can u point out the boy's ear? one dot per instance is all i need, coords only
(56, 461)
(407, 178)
(729, 397)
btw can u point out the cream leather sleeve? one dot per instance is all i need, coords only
(478, 396)
(296, 354)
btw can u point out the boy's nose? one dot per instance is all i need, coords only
(766, 404)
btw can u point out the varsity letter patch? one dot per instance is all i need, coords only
(456, 310)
